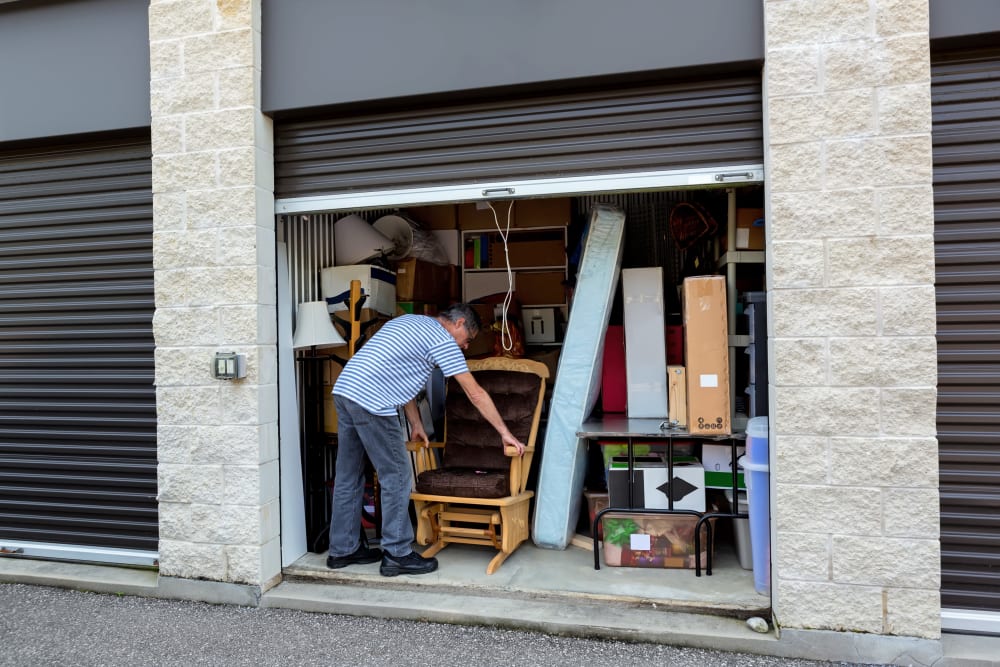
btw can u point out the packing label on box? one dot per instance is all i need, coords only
(639, 542)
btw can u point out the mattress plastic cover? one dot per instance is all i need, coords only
(564, 455)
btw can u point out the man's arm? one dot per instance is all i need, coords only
(417, 431)
(481, 399)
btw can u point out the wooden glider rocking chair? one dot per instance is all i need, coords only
(476, 493)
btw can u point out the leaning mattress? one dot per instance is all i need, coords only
(564, 455)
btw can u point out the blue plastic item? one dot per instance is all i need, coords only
(757, 474)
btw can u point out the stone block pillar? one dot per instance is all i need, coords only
(851, 277)
(214, 267)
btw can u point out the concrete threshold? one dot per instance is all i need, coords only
(546, 614)
(80, 576)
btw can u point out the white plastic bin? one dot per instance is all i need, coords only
(757, 475)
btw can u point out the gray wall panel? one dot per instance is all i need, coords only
(963, 18)
(73, 67)
(323, 52)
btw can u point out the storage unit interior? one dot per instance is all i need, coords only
(544, 246)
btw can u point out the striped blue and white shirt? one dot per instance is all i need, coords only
(391, 368)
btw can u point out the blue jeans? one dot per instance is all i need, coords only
(361, 432)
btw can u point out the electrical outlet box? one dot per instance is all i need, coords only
(229, 366)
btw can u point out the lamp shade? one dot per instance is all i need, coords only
(355, 241)
(314, 328)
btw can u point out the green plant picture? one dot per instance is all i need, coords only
(618, 531)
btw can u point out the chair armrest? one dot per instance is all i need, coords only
(508, 450)
(417, 445)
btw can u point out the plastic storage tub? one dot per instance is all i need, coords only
(757, 474)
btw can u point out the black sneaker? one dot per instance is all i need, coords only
(361, 556)
(411, 563)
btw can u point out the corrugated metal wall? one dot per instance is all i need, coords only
(77, 401)
(966, 107)
(706, 123)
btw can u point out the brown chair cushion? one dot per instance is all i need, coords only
(470, 441)
(464, 482)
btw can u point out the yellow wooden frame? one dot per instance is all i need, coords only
(501, 523)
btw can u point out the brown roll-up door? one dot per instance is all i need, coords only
(966, 108)
(703, 123)
(77, 401)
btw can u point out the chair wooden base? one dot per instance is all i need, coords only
(501, 523)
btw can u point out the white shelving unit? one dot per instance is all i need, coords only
(537, 261)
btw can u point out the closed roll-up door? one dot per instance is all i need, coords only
(966, 107)
(705, 123)
(77, 401)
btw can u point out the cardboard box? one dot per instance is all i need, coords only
(417, 280)
(527, 213)
(677, 396)
(650, 486)
(717, 460)
(706, 335)
(543, 212)
(471, 217)
(749, 229)
(540, 288)
(613, 391)
(652, 540)
(645, 350)
(440, 216)
(530, 253)
(378, 284)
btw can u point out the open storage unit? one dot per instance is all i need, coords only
(461, 169)
(547, 236)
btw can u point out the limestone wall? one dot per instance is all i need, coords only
(851, 278)
(214, 282)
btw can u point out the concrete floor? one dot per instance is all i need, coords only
(545, 573)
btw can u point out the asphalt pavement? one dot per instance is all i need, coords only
(51, 626)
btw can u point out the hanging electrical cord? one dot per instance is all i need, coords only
(506, 340)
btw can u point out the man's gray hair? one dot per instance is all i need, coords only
(457, 311)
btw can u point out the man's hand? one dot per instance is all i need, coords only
(510, 440)
(417, 432)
